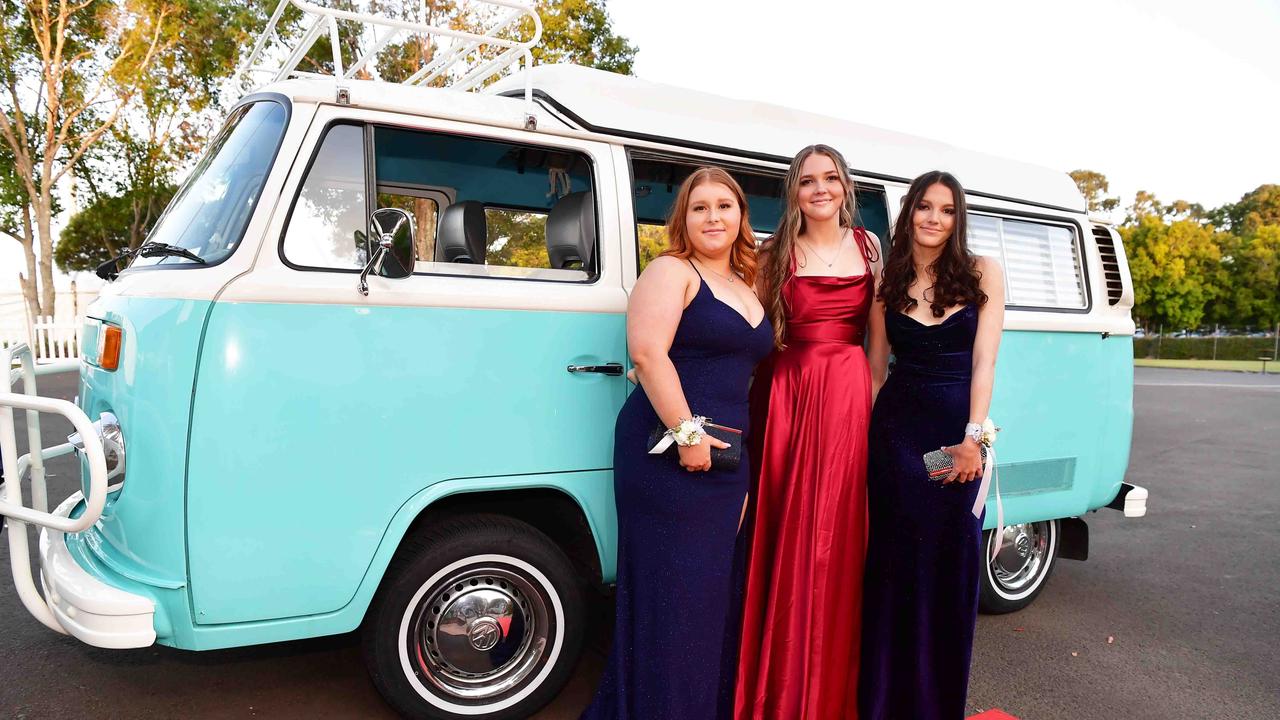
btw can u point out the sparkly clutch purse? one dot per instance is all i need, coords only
(721, 458)
(938, 464)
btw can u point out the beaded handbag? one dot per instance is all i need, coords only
(938, 464)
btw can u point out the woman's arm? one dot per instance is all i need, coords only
(877, 344)
(986, 343)
(653, 314)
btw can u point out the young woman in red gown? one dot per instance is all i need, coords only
(810, 410)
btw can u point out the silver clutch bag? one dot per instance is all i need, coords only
(938, 464)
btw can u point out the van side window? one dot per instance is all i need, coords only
(656, 180)
(503, 209)
(328, 222)
(1041, 260)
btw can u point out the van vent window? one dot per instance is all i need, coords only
(1110, 263)
(1041, 261)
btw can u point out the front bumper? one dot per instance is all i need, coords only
(87, 608)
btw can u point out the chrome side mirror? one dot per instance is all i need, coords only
(390, 246)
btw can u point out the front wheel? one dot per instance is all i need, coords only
(478, 617)
(1018, 573)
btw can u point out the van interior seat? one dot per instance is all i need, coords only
(571, 231)
(463, 234)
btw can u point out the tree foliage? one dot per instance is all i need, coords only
(1193, 266)
(1094, 187)
(580, 32)
(1255, 210)
(110, 225)
(1176, 270)
(68, 70)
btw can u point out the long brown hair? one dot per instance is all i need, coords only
(780, 247)
(956, 275)
(742, 258)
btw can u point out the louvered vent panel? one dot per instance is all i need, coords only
(1110, 263)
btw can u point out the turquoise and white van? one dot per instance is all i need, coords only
(365, 374)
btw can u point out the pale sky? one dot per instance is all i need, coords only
(1177, 97)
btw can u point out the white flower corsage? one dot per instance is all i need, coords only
(689, 432)
(989, 431)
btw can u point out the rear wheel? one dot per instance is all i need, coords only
(478, 617)
(1018, 573)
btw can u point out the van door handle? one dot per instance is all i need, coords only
(607, 369)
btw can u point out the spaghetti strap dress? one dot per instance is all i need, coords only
(678, 593)
(812, 400)
(925, 554)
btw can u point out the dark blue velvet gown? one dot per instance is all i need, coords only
(679, 592)
(920, 597)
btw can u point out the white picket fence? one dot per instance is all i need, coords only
(51, 340)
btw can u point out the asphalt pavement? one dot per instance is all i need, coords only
(1174, 615)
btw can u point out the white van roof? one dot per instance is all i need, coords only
(626, 106)
(622, 106)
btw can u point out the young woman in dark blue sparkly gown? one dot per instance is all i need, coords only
(695, 332)
(939, 310)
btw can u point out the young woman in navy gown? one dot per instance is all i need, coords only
(810, 408)
(939, 311)
(695, 332)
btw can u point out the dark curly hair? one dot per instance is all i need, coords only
(956, 276)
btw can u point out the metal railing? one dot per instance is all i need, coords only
(462, 64)
(31, 466)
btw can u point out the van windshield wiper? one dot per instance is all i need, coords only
(109, 269)
(157, 249)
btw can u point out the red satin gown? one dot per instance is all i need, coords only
(803, 609)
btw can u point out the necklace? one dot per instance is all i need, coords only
(730, 278)
(832, 262)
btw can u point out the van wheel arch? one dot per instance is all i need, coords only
(553, 512)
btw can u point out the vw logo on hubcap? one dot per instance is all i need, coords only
(484, 633)
(1023, 545)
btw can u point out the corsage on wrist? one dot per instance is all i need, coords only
(983, 434)
(689, 432)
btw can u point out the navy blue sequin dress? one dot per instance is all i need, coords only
(924, 556)
(675, 639)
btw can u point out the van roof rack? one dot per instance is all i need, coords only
(464, 64)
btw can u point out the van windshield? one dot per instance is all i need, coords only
(209, 213)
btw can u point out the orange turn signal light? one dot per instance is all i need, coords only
(109, 347)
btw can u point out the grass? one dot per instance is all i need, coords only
(1273, 367)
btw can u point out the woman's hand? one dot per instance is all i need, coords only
(968, 461)
(696, 458)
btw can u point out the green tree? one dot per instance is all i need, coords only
(517, 238)
(1254, 291)
(1144, 205)
(1254, 210)
(652, 240)
(581, 32)
(1094, 187)
(68, 68)
(110, 225)
(1183, 210)
(575, 31)
(129, 172)
(1177, 270)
